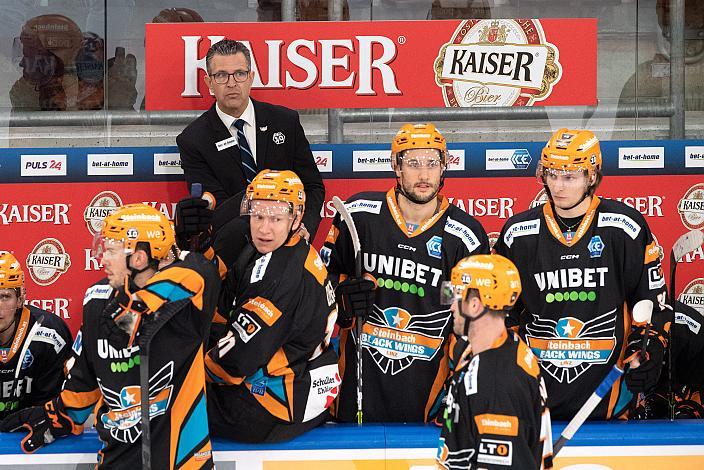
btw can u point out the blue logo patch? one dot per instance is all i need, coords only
(434, 246)
(325, 255)
(259, 387)
(595, 247)
(78, 343)
(27, 360)
(521, 159)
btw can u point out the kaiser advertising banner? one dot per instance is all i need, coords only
(55, 199)
(384, 64)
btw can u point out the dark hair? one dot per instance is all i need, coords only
(227, 47)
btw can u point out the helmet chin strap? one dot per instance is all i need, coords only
(468, 319)
(134, 271)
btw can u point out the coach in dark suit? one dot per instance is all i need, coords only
(237, 137)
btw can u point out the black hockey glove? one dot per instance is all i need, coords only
(355, 299)
(192, 224)
(44, 423)
(126, 312)
(644, 377)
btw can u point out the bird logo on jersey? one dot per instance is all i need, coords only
(395, 338)
(123, 419)
(569, 346)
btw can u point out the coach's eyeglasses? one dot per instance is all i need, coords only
(222, 78)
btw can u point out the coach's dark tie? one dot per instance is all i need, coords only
(248, 163)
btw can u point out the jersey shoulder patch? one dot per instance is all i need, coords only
(521, 228)
(45, 334)
(98, 292)
(315, 266)
(461, 230)
(259, 269)
(526, 360)
(364, 205)
(621, 221)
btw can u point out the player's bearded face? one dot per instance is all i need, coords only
(9, 303)
(457, 319)
(566, 187)
(270, 223)
(420, 173)
(114, 261)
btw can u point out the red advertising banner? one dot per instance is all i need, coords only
(50, 226)
(384, 64)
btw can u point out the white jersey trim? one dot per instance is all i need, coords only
(364, 205)
(625, 223)
(462, 232)
(98, 291)
(520, 229)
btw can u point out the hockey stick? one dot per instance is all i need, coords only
(23, 351)
(687, 243)
(145, 341)
(601, 390)
(347, 217)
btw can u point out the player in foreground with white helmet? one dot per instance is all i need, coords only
(495, 413)
(592, 283)
(273, 370)
(173, 305)
(410, 238)
(31, 378)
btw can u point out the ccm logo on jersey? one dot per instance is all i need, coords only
(246, 327)
(495, 452)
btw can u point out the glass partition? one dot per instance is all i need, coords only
(55, 88)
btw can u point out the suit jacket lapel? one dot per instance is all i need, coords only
(220, 132)
(263, 139)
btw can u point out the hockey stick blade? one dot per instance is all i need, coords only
(356, 246)
(592, 402)
(687, 243)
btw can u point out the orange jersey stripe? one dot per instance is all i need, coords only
(187, 398)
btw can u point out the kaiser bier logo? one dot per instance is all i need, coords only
(48, 261)
(102, 205)
(691, 207)
(693, 294)
(493, 237)
(497, 63)
(539, 199)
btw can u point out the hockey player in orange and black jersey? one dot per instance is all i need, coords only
(592, 281)
(274, 373)
(495, 413)
(410, 237)
(42, 367)
(177, 301)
